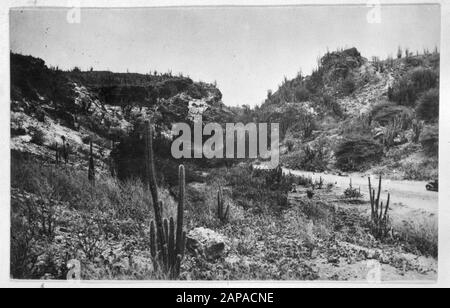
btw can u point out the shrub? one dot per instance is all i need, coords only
(314, 158)
(18, 131)
(259, 190)
(356, 153)
(421, 235)
(361, 126)
(348, 86)
(407, 89)
(290, 144)
(428, 105)
(308, 158)
(302, 94)
(403, 93)
(352, 193)
(17, 125)
(331, 104)
(430, 140)
(426, 170)
(414, 61)
(316, 211)
(37, 136)
(86, 139)
(386, 113)
(424, 79)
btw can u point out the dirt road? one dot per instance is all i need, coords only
(405, 195)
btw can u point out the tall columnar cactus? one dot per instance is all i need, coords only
(65, 150)
(112, 164)
(91, 171)
(181, 236)
(380, 216)
(167, 242)
(417, 127)
(150, 174)
(56, 154)
(221, 211)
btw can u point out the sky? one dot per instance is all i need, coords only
(246, 50)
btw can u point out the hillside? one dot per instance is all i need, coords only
(358, 115)
(51, 107)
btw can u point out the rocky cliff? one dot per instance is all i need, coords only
(51, 107)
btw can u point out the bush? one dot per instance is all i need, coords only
(37, 136)
(290, 144)
(260, 190)
(386, 113)
(302, 94)
(424, 79)
(414, 61)
(348, 86)
(428, 105)
(407, 89)
(426, 170)
(421, 235)
(430, 140)
(356, 153)
(17, 125)
(308, 158)
(315, 211)
(403, 93)
(331, 104)
(352, 193)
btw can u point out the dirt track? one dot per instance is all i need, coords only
(406, 196)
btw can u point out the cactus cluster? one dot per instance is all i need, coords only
(395, 129)
(352, 193)
(380, 213)
(222, 213)
(167, 241)
(61, 152)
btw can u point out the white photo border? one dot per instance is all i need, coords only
(444, 195)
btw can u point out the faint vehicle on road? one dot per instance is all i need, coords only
(433, 186)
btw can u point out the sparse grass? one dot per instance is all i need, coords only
(95, 218)
(420, 234)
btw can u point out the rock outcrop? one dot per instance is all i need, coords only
(207, 243)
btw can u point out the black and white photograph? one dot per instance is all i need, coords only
(295, 143)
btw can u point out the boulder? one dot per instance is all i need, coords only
(207, 243)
